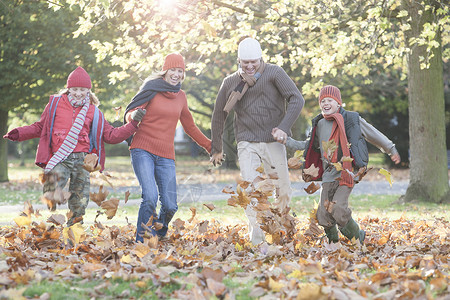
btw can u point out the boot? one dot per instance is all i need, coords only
(332, 234)
(351, 230)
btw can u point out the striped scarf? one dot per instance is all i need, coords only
(71, 139)
(340, 138)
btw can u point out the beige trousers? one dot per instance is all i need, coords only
(273, 158)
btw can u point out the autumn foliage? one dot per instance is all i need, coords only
(404, 259)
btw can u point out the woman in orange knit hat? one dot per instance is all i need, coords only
(152, 146)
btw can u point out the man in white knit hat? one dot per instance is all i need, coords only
(266, 104)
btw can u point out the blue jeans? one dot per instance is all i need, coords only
(157, 178)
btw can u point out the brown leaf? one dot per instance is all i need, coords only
(210, 206)
(218, 288)
(194, 212)
(312, 171)
(91, 163)
(217, 274)
(110, 206)
(312, 188)
(295, 163)
(127, 195)
(157, 226)
(100, 196)
(57, 219)
(260, 169)
(228, 190)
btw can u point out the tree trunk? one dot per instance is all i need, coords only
(428, 159)
(3, 146)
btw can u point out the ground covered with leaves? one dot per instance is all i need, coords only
(204, 259)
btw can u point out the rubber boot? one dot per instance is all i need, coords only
(351, 230)
(332, 234)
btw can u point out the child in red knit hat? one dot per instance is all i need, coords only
(347, 133)
(70, 127)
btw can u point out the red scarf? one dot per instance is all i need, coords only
(340, 138)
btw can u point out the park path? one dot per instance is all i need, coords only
(210, 192)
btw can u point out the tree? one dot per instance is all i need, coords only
(323, 39)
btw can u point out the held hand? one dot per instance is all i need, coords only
(279, 135)
(138, 114)
(13, 135)
(217, 159)
(396, 158)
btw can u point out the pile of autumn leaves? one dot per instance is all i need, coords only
(404, 259)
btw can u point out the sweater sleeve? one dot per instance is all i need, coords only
(187, 121)
(218, 117)
(113, 135)
(34, 130)
(376, 138)
(295, 145)
(293, 97)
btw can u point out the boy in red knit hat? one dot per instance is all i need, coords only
(70, 127)
(347, 133)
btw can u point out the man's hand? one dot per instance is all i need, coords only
(138, 114)
(396, 158)
(279, 135)
(217, 159)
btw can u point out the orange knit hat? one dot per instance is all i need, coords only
(79, 78)
(173, 60)
(330, 91)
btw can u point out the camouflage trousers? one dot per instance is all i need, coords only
(72, 168)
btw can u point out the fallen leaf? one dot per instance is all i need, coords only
(127, 195)
(57, 219)
(110, 207)
(386, 174)
(91, 163)
(312, 188)
(312, 171)
(100, 196)
(210, 206)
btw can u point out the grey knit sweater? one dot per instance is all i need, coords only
(274, 101)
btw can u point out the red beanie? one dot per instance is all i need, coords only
(173, 60)
(79, 78)
(330, 91)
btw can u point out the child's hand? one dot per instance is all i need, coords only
(13, 135)
(138, 114)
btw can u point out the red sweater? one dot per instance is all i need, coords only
(156, 131)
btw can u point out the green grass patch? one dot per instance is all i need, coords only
(92, 289)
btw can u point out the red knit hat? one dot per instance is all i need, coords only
(79, 78)
(330, 91)
(173, 60)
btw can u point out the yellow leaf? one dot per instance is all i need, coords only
(74, 233)
(387, 174)
(238, 247)
(299, 153)
(338, 166)
(308, 290)
(260, 169)
(274, 285)
(297, 274)
(126, 259)
(23, 221)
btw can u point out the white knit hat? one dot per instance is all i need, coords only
(249, 49)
